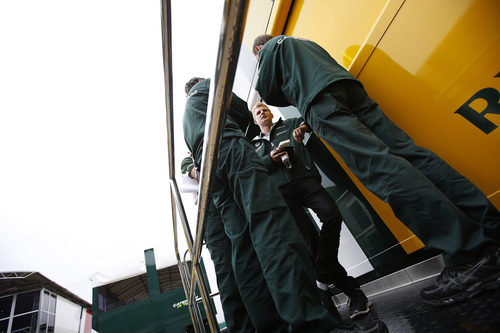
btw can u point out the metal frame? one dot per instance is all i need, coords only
(15, 275)
(231, 34)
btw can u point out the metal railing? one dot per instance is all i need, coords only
(232, 27)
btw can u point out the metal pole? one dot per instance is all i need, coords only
(166, 12)
(232, 27)
(218, 102)
(219, 98)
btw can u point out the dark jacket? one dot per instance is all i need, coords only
(195, 113)
(302, 165)
(294, 71)
(187, 165)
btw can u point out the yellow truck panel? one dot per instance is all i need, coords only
(431, 65)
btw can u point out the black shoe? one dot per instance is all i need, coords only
(327, 302)
(377, 326)
(358, 304)
(459, 283)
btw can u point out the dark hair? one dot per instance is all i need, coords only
(191, 83)
(260, 40)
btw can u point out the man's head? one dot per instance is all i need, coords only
(262, 116)
(191, 83)
(259, 42)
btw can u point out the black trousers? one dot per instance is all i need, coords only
(308, 193)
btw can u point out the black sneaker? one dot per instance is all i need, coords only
(327, 302)
(459, 283)
(377, 326)
(358, 304)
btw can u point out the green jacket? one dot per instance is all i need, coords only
(302, 165)
(187, 165)
(294, 71)
(195, 114)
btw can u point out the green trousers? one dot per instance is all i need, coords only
(248, 275)
(266, 241)
(443, 208)
(219, 245)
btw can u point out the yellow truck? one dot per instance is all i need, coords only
(431, 65)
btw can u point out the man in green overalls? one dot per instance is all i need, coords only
(300, 184)
(268, 255)
(443, 208)
(219, 245)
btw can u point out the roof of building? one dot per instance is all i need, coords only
(18, 282)
(135, 288)
(130, 266)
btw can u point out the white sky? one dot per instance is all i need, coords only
(83, 142)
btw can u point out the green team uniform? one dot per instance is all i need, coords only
(187, 164)
(439, 205)
(219, 245)
(301, 188)
(267, 262)
(303, 167)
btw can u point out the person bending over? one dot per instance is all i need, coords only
(442, 207)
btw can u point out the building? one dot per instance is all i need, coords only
(32, 303)
(145, 299)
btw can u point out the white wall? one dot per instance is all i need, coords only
(68, 316)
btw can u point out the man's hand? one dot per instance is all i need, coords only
(276, 154)
(194, 174)
(299, 132)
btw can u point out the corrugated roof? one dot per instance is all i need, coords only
(135, 288)
(18, 282)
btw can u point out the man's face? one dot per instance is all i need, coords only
(263, 116)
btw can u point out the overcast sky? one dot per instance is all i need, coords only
(83, 142)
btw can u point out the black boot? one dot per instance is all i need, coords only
(358, 303)
(327, 302)
(456, 284)
(377, 326)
